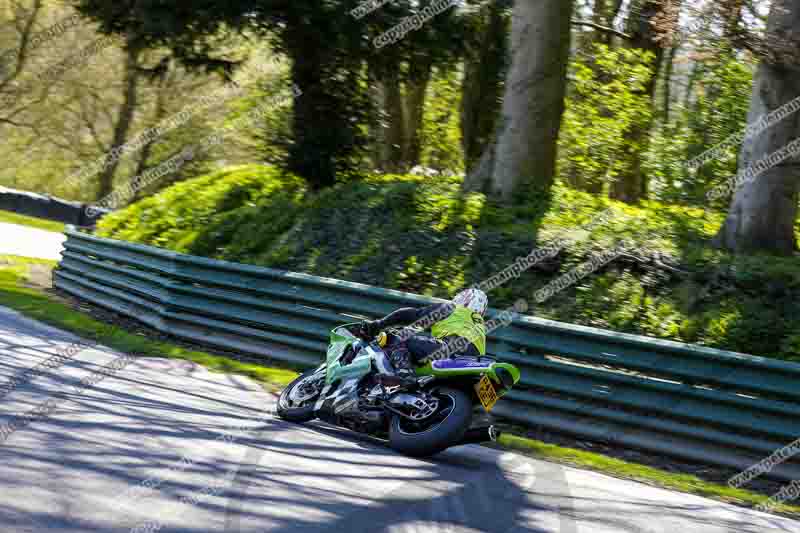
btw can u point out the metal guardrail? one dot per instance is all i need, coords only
(695, 403)
(48, 207)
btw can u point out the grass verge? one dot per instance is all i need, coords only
(39, 223)
(19, 290)
(645, 474)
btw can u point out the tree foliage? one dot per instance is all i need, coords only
(607, 101)
(651, 85)
(329, 50)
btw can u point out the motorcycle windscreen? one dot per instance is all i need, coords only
(340, 340)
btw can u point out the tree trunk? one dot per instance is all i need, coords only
(393, 123)
(694, 75)
(377, 141)
(616, 6)
(482, 86)
(630, 186)
(764, 210)
(524, 156)
(319, 126)
(309, 156)
(667, 96)
(731, 13)
(159, 114)
(416, 89)
(600, 14)
(124, 120)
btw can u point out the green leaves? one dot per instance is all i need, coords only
(608, 100)
(718, 105)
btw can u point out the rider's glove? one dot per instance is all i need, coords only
(368, 329)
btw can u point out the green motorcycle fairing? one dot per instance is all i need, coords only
(457, 367)
(335, 371)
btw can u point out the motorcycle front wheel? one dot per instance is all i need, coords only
(296, 402)
(436, 433)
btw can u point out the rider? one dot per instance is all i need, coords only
(449, 322)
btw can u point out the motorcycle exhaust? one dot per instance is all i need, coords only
(480, 435)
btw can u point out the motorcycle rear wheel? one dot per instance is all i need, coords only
(441, 430)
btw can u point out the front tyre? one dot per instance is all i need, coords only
(436, 433)
(296, 402)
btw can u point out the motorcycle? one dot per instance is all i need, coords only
(349, 391)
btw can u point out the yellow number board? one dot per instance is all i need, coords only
(486, 392)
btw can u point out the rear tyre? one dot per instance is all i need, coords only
(441, 430)
(296, 402)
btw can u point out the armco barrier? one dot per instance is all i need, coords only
(49, 207)
(685, 401)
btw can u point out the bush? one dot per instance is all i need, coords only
(423, 235)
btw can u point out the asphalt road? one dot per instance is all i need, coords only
(30, 242)
(143, 450)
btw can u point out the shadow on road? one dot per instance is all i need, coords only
(65, 473)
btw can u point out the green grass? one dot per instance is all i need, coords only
(23, 220)
(646, 474)
(32, 302)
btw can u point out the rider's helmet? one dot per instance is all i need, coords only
(473, 299)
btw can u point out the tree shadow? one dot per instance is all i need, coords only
(57, 472)
(464, 487)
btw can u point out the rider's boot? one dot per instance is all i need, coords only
(404, 375)
(404, 379)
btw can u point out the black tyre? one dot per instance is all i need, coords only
(437, 433)
(296, 402)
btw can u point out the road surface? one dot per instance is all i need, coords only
(30, 242)
(143, 450)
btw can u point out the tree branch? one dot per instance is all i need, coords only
(26, 34)
(598, 27)
(16, 124)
